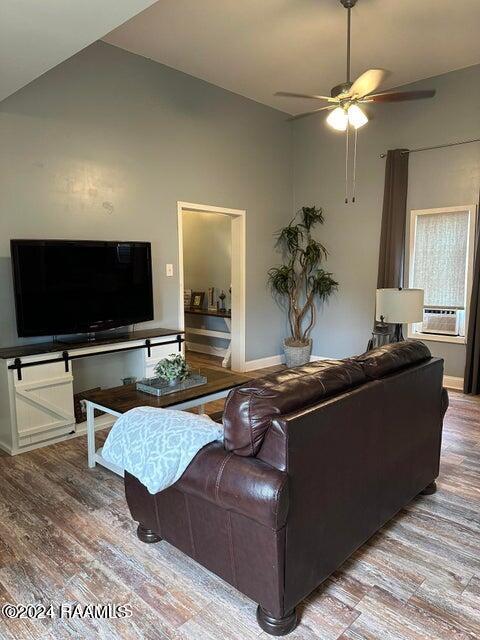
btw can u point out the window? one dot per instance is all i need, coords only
(441, 263)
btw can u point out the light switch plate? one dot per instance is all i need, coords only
(169, 270)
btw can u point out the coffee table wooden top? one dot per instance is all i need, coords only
(126, 397)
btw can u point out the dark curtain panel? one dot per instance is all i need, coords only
(392, 240)
(471, 378)
(394, 216)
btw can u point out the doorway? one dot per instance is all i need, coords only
(208, 302)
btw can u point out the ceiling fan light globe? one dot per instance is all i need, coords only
(338, 119)
(356, 117)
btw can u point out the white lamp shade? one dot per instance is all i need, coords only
(338, 119)
(399, 306)
(356, 117)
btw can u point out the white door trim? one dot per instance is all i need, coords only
(238, 217)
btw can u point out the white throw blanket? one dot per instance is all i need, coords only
(157, 445)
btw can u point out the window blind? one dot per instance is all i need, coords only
(440, 257)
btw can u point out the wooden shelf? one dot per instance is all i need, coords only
(206, 312)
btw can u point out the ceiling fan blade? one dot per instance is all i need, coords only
(287, 94)
(368, 82)
(400, 96)
(311, 113)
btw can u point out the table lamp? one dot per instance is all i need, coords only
(399, 307)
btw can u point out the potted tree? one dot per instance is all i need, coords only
(300, 284)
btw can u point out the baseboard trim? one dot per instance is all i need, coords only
(451, 382)
(262, 363)
(205, 348)
(6, 447)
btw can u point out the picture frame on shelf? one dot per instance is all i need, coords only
(198, 298)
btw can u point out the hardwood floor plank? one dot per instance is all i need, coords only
(218, 620)
(385, 616)
(426, 564)
(458, 608)
(371, 568)
(327, 616)
(344, 587)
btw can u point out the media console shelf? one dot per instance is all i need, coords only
(36, 384)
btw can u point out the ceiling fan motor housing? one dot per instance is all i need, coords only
(344, 87)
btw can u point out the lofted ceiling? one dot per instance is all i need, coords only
(257, 47)
(36, 35)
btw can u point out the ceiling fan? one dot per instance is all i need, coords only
(346, 97)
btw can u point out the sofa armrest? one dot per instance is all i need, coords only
(246, 486)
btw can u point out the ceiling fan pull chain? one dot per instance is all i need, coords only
(347, 135)
(355, 167)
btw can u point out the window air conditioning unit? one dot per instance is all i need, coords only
(448, 322)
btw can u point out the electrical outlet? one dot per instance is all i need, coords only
(169, 270)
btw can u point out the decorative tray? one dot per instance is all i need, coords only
(160, 387)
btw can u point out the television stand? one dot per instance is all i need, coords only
(36, 383)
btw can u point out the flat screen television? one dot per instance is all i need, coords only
(69, 286)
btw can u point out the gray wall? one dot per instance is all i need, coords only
(104, 145)
(352, 232)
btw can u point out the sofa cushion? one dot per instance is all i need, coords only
(392, 357)
(249, 410)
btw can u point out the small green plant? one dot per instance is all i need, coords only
(300, 283)
(173, 368)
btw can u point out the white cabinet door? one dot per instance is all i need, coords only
(43, 403)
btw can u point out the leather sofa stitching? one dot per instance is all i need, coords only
(220, 474)
(277, 492)
(250, 430)
(190, 529)
(230, 546)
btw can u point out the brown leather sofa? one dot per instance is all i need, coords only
(316, 459)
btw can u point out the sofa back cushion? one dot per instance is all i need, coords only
(392, 357)
(249, 410)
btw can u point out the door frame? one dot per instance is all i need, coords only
(238, 218)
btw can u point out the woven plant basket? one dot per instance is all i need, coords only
(296, 356)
